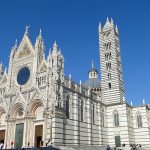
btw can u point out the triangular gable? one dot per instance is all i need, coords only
(43, 66)
(25, 48)
(37, 95)
(18, 99)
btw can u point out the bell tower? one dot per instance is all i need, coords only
(110, 59)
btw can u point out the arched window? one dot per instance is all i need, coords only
(139, 120)
(67, 107)
(116, 118)
(109, 85)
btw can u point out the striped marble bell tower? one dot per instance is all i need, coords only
(110, 60)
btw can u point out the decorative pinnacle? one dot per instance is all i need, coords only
(55, 47)
(143, 102)
(16, 43)
(69, 76)
(116, 29)
(27, 28)
(112, 22)
(100, 26)
(107, 20)
(40, 33)
(55, 43)
(80, 82)
(131, 103)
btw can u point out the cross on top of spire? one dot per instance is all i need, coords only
(92, 64)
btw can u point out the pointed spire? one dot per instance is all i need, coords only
(107, 24)
(80, 82)
(99, 26)
(69, 76)
(143, 102)
(131, 103)
(107, 20)
(39, 38)
(40, 33)
(55, 46)
(112, 22)
(116, 28)
(16, 43)
(55, 43)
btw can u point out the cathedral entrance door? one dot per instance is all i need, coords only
(19, 135)
(38, 135)
(117, 141)
(2, 136)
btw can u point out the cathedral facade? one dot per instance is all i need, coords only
(40, 106)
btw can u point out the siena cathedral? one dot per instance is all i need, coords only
(40, 106)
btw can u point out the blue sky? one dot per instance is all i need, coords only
(74, 25)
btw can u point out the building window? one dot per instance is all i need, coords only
(108, 65)
(109, 76)
(107, 45)
(52, 62)
(139, 120)
(116, 118)
(109, 85)
(67, 107)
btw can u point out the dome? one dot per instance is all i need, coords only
(92, 83)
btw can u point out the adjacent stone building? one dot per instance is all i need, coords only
(40, 106)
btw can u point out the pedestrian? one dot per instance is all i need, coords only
(0, 145)
(12, 143)
(5, 146)
(108, 147)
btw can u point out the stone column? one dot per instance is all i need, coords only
(44, 129)
(26, 129)
(10, 133)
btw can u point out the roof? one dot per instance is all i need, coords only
(92, 83)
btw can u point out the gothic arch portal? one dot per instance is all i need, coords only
(17, 110)
(36, 108)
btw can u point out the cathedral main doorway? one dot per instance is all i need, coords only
(2, 136)
(19, 135)
(38, 135)
(117, 141)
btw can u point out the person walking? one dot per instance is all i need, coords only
(108, 147)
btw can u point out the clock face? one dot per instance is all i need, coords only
(23, 76)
